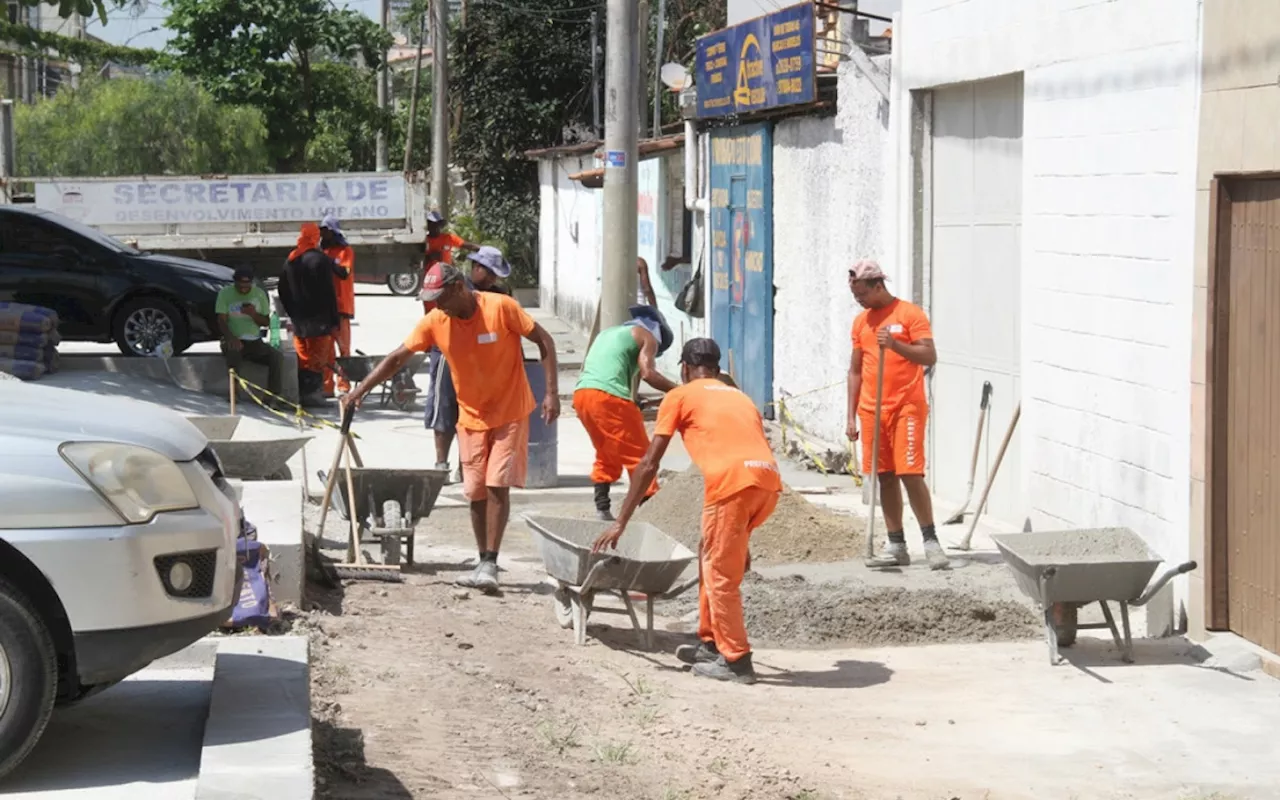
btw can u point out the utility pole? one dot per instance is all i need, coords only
(413, 95)
(384, 10)
(595, 73)
(7, 146)
(621, 134)
(657, 68)
(440, 105)
(641, 53)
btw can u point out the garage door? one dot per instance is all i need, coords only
(975, 287)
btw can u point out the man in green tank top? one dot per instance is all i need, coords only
(603, 398)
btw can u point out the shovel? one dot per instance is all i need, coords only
(977, 447)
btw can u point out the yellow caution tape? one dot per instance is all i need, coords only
(299, 414)
(786, 421)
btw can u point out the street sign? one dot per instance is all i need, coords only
(762, 63)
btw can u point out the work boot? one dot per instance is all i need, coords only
(486, 577)
(699, 653)
(894, 554)
(603, 512)
(936, 555)
(739, 671)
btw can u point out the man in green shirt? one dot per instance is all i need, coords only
(243, 310)
(603, 401)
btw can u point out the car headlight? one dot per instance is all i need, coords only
(139, 483)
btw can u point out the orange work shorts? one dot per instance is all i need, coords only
(901, 439)
(498, 458)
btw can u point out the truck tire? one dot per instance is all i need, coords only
(28, 677)
(144, 323)
(405, 284)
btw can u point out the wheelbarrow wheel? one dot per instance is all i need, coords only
(401, 396)
(1065, 623)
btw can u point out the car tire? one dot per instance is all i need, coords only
(29, 667)
(405, 284)
(144, 319)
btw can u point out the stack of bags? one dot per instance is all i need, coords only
(28, 340)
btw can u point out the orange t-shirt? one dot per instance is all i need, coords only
(445, 243)
(903, 380)
(485, 357)
(724, 435)
(345, 287)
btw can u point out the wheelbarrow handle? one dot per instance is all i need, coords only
(671, 594)
(1169, 575)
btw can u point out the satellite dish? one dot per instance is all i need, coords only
(674, 76)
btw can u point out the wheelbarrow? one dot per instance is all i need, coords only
(257, 459)
(647, 562)
(399, 391)
(389, 504)
(1064, 571)
(217, 426)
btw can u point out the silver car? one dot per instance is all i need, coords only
(117, 547)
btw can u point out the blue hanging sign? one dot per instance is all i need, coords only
(761, 63)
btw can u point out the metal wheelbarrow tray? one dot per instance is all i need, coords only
(389, 503)
(647, 562)
(398, 390)
(1065, 570)
(257, 459)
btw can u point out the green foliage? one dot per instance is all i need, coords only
(138, 127)
(522, 75)
(296, 61)
(85, 8)
(89, 52)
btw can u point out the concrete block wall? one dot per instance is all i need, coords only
(828, 181)
(1110, 112)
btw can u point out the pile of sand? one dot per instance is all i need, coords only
(798, 531)
(790, 612)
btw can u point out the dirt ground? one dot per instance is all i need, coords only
(421, 689)
(798, 531)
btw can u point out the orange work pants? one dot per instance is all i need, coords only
(315, 353)
(341, 347)
(726, 532)
(616, 428)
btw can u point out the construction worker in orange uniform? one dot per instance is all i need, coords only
(335, 246)
(441, 245)
(724, 434)
(603, 401)
(307, 294)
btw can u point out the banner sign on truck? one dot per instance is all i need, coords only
(293, 198)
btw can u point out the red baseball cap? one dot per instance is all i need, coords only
(440, 276)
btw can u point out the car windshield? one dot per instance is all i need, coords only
(92, 234)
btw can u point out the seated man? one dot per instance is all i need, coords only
(243, 310)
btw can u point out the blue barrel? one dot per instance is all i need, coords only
(544, 469)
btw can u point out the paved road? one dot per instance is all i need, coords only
(140, 739)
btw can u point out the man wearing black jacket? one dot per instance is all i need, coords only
(309, 298)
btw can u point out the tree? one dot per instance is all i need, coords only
(295, 60)
(138, 127)
(523, 74)
(85, 8)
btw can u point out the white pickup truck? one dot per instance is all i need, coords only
(252, 220)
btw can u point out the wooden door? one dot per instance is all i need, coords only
(1246, 413)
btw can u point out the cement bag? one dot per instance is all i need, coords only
(23, 318)
(254, 608)
(25, 370)
(28, 337)
(43, 354)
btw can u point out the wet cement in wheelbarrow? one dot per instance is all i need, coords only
(792, 612)
(798, 531)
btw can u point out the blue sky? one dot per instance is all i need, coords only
(123, 27)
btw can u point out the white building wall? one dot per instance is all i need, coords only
(1111, 103)
(828, 176)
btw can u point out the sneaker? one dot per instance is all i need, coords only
(699, 653)
(486, 577)
(893, 555)
(739, 671)
(469, 580)
(444, 467)
(936, 555)
(457, 474)
(604, 515)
